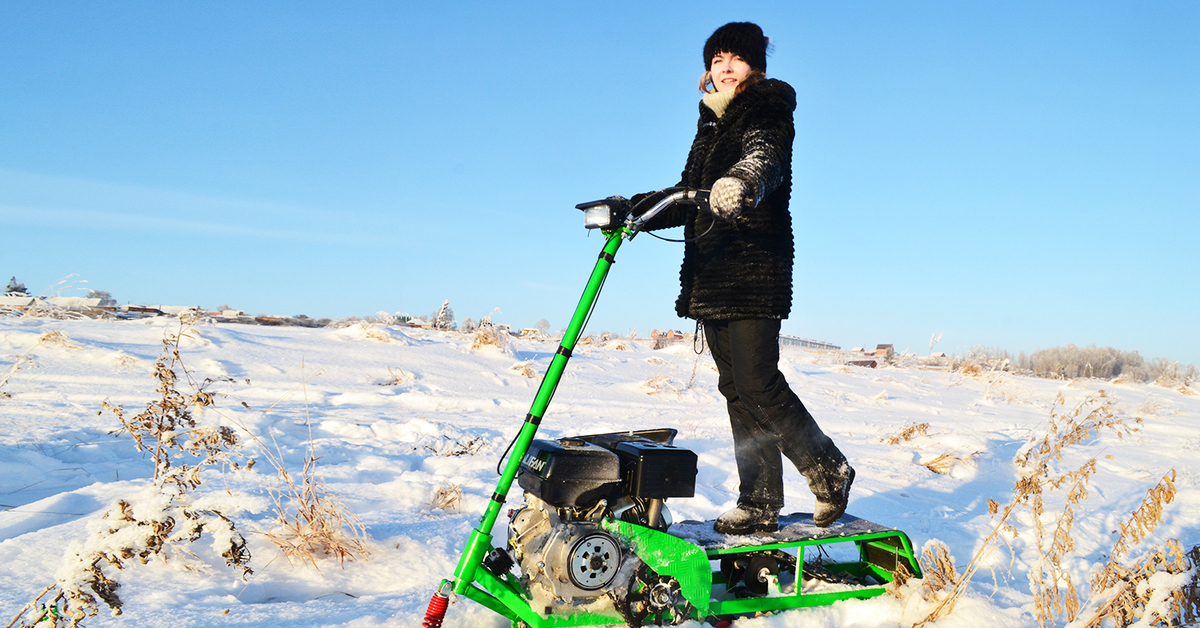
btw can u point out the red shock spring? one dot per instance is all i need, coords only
(436, 611)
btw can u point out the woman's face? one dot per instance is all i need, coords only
(728, 70)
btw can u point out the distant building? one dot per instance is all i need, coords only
(794, 341)
(672, 334)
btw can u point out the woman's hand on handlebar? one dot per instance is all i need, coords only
(729, 196)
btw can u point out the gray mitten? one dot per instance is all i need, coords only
(729, 196)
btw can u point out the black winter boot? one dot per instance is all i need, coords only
(748, 519)
(829, 511)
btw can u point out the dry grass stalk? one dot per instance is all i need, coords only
(937, 566)
(41, 308)
(1125, 590)
(943, 463)
(448, 497)
(396, 376)
(900, 577)
(50, 338)
(659, 383)
(906, 433)
(487, 336)
(1147, 516)
(313, 521)
(454, 448)
(1054, 591)
(1155, 407)
(525, 369)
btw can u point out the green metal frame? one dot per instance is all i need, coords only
(881, 555)
(666, 554)
(505, 596)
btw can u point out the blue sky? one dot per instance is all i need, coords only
(1017, 175)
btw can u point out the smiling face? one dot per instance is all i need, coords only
(728, 71)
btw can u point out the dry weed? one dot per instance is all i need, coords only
(1155, 407)
(970, 370)
(375, 333)
(490, 336)
(448, 497)
(937, 566)
(41, 308)
(50, 338)
(525, 369)
(659, 383)
(944, 463)
(161, 518)
(454, 448)
(396, 376)
(1147, 516)
(906, 433)
(1054, 591)
(55, 338)
(312, 520)
(1159, 588)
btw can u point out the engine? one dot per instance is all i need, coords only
(571, 485)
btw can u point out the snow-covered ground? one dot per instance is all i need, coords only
(391, 411)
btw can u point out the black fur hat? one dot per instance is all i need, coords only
(743, 39)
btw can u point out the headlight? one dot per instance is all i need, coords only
(598, 217)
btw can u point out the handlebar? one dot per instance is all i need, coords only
(675, 195)
(608, 214)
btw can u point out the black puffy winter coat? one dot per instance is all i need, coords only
(740, 269)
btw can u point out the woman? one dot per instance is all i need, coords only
(736, 279)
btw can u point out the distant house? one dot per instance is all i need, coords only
(884, 349)
(138, 309)
(419, 322)
(672, 334)
(795, 341)
(73, 302)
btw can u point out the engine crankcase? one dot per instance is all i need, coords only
(568, 560)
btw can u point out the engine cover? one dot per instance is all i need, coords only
(563, 562)
(569, 472)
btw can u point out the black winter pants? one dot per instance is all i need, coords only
(767, 418)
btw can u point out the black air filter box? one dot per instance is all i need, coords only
(569, 472)
(657, 471)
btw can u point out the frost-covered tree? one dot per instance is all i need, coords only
(444, 318)
(542, 326)
(15, 289)
(469, 324)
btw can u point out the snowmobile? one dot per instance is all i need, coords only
(594, 543)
